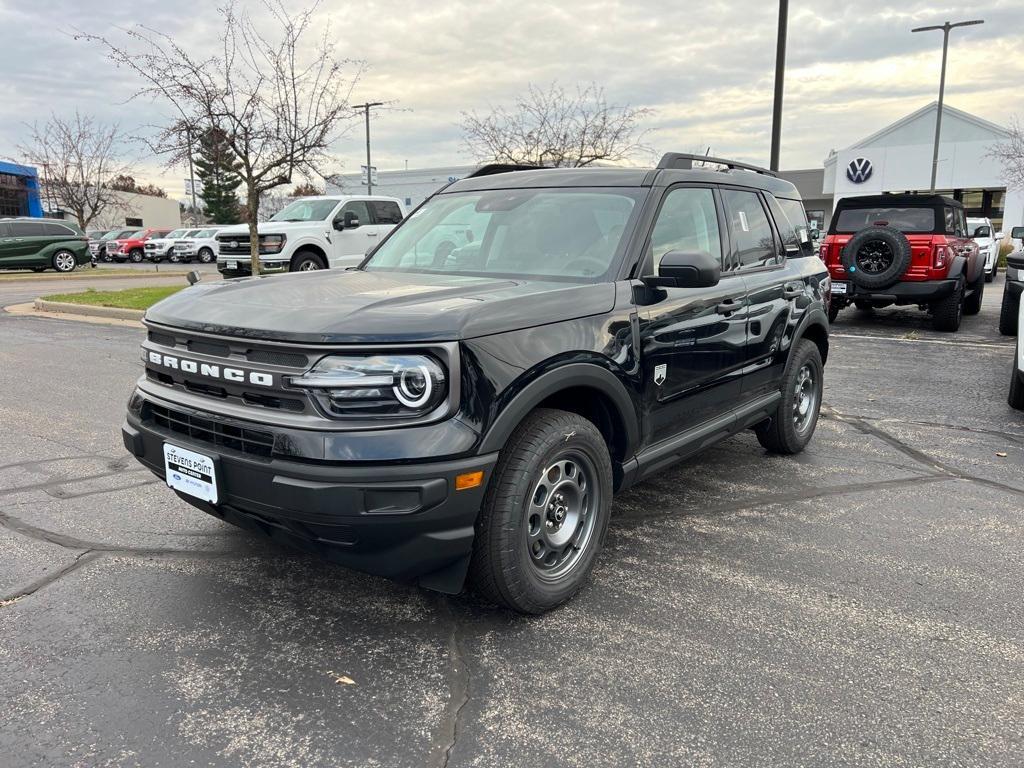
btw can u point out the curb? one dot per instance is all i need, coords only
(92, 275)
(63, 307)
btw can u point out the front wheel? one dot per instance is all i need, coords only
(545, 513)
(64, 261)
(135, 257)
(205, 255)
(791, 427)
(305, 261)
(1016, 398)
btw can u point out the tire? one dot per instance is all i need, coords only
(1009, 313)
(135, 256)
(64, 261)
(972, 304)
(864, 306)
(515, 538)
(792, 426)
(174, 258)
(833, 312)
(205, 255)
(876, 257)
(990, 276)
(1016, 396)
(948, 312)
(306, 261)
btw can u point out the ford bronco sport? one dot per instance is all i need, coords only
(904, 249)
(442, 412)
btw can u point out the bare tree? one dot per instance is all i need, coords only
(280, 102)
(555, 127)
(79, 158)
(1010, 154)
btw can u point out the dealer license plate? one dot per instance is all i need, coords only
(838, 287)
(190, 472)
(232, 265)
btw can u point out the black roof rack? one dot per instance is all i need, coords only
(493, 168)
(684, 161)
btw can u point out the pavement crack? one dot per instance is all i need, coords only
(57, 482)
(81, 559)
(458, 688)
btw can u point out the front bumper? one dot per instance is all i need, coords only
(401, 521)
(243, 265)
(907, 292)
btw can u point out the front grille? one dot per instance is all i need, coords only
(271, 357)
(163, 339)
(209, 348)
(255, 442)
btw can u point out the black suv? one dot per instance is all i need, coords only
(439, 412)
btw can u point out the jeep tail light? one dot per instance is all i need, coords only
(940, 257)
(823, 252)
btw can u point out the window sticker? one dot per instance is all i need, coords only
(743, 221)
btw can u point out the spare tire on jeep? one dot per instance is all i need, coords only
(876, 257)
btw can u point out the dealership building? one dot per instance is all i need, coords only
(19, 191)
(897, 158)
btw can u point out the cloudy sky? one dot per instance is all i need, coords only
(705, 69)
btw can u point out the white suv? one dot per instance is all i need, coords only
(330, 231)
(200, 245)
(988, 240)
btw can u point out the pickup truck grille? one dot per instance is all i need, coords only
(233, 246)
(255, 442)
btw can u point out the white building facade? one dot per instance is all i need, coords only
(898, 158)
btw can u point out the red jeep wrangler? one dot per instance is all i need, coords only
(904, 249)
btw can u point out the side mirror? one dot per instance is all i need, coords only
(999, 235)
(686, 269)
(983, 231)
(1017, 233)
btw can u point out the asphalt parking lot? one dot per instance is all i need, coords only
(860, 604)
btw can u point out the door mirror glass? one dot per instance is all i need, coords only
(1017, 233)
(351, 220)
(687, 269)
(983, 231)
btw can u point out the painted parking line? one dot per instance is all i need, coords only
(982, 344)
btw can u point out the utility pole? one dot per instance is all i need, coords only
(780, 77)
(191, 175)
(945, 28)
(369, 170)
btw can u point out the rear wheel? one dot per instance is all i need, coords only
(64, 261)
(948, 312)
(791, 427)
(1009, 313)
(833, 311)
(545, 513)
(307, 261)
(972, 304)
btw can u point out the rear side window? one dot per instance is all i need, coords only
(905, 219)
(386, 211)
(791, 220)
(56, 230)
(752, 236)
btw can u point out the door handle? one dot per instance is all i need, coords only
(792, 290)
(728, 306)
(372, 234)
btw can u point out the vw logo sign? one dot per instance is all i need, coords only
(859, 170)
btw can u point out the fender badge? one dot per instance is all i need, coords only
(660, 374)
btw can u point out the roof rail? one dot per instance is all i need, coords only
(685, 162)
(493, 168)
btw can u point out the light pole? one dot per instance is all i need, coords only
(369, 171)
(780, 75)
(942, 82)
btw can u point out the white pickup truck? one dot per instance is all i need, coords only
(988, 240)
(324, 232)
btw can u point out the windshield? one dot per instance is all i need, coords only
(117, 234)
(306, 210)
(206, 233)
(134, 235)
(571, 234)
(175, 233)
(906, 219)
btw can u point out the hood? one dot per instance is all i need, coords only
(361, 307)
(276, 228)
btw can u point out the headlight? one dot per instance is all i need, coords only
(376, 385)
(271, 243)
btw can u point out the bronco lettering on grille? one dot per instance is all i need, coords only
(212, 371)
